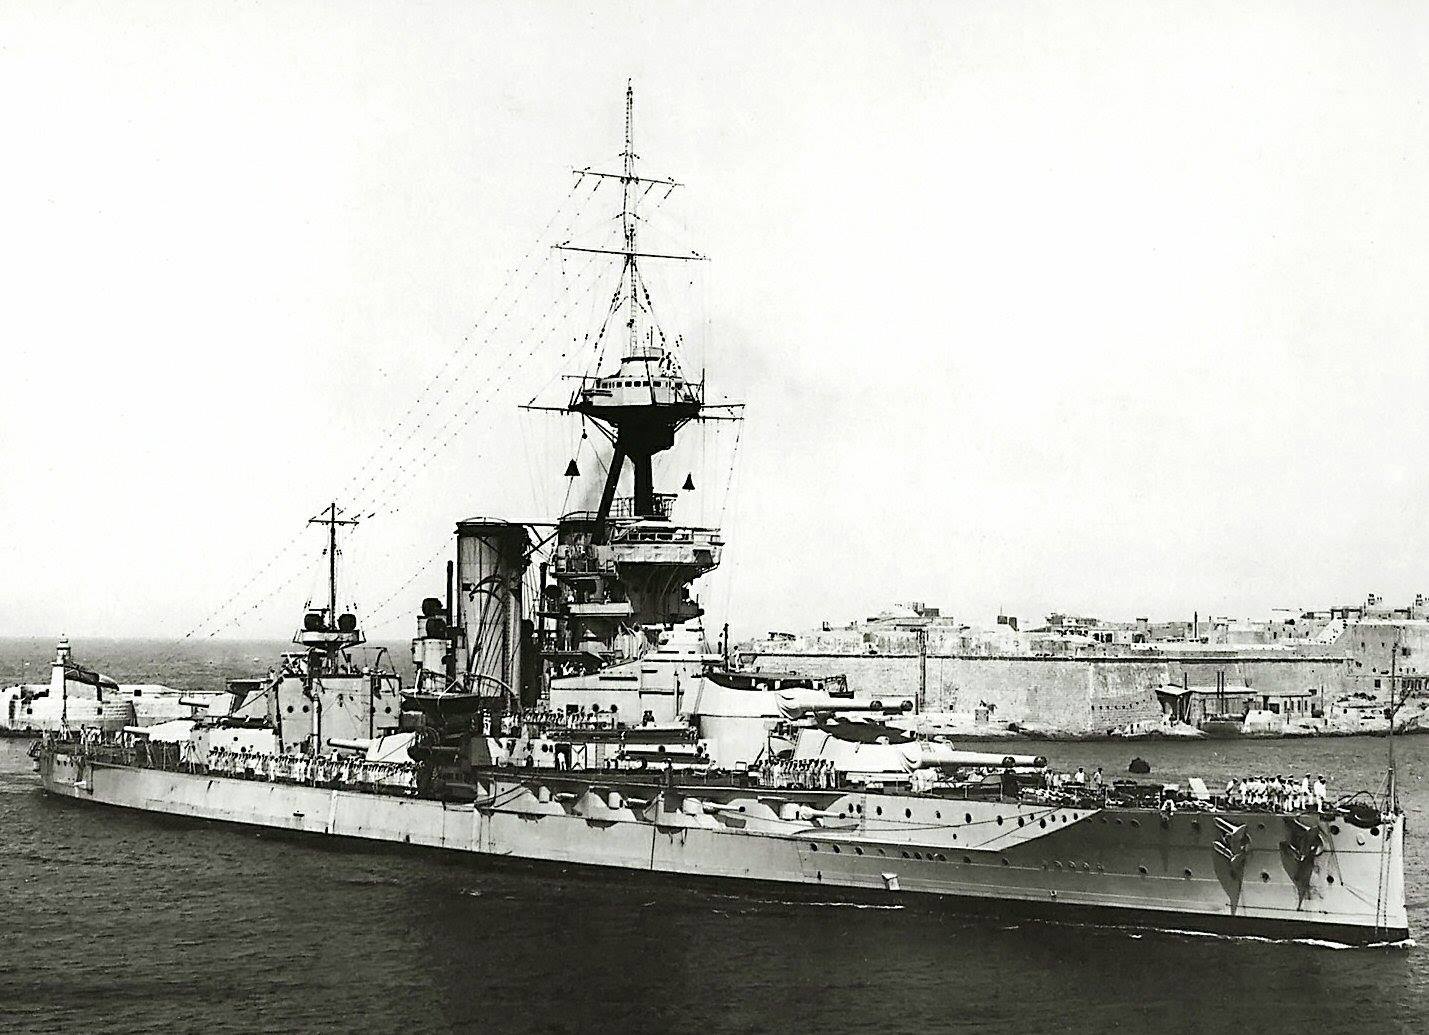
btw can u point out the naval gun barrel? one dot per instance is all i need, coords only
(350, 745)
(196, 702)
(795, 704)
(928, 754)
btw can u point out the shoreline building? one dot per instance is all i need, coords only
(1080, 675)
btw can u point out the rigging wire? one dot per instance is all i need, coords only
(365, 487)
(407, 471)
(469, 354)
(730, 485)
(459, 419)
(386, 442)
(732, 490)
(383, 610)
(262, 571)
(246, 613)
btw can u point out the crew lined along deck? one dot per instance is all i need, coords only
(1279, 794)
(809, 774)
(1049, 788)
(315, 770)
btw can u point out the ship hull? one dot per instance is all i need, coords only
(1093, 866)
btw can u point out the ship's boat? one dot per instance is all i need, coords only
(450, 705)
(1222, 727)
(755, 679)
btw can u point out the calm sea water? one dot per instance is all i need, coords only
(118, 922)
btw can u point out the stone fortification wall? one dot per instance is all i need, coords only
(1333, 676)
(1072, 695)
(1369, 647)
(1095, 692)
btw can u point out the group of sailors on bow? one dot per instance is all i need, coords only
(1278, 793)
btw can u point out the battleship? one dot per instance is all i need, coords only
(568, 711)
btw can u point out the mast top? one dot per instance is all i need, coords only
(330, 630)
(645, 397)
(629, 153)
(649, 377)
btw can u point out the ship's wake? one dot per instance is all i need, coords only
(370, 881)
(802, 903)
(1315, 943)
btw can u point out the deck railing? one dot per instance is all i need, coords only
(307, 770)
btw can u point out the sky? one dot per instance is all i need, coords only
(1107, 308)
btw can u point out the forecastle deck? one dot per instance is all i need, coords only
(1009, 858)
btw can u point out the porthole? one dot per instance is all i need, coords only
(1374, 831)
(1141, 870)
(813, 847)
(841, 815)
(1185, 873)
(1136, 822)
(918, 856)
(1004, 861)
(857, 850)
(941, 857)
(967, 859)
(955, 837)
(882, 852)
(836, 849)
(1118, 822)
(907, 813)
(1260, 826)
(999, 821)
(290, 709)
(742, 809)
(1056, 864)
(1330, 879)
(904, 854)
(305, 708)
(1044, 823)
(937, 814)
(1334, 828)
(1264, 877)
(967, 817)
(878, 810)
(1019, 821)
